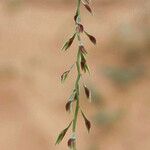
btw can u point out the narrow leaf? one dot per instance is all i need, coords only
(87, 122)
(92, 38)
(87, 7)
(64, 76)
(68, 43)
(83, 63)
(62, 134)
(82, 57)
(87, 68)
(68, 105)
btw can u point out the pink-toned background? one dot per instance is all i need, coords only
(31, 97)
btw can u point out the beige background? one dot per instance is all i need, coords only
(31, 97)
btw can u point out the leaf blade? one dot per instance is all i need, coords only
(64, 76)
(68, 43)
(62, 134)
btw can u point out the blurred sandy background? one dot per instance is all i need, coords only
(31, 97)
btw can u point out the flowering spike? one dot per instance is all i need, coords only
(81, 64)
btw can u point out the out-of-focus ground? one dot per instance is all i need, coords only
(31, 97)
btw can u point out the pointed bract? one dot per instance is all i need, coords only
(68, 105)
(83, 63)
(71, 142)
(92, 38)
(62, 134)
(80, 28)
(82, 49)
(64, 76)
(87, 122)
(87, 7)
(87, 92)
(75, 17)
(71, 100)
(69, 43)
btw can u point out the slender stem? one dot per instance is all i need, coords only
(78, 78)
(78, 6)
(77, 90)
(77, 97)
(81, 65)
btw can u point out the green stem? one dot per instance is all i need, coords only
(78, 79)
(77, 90)
(78, 6)
(77, 98)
